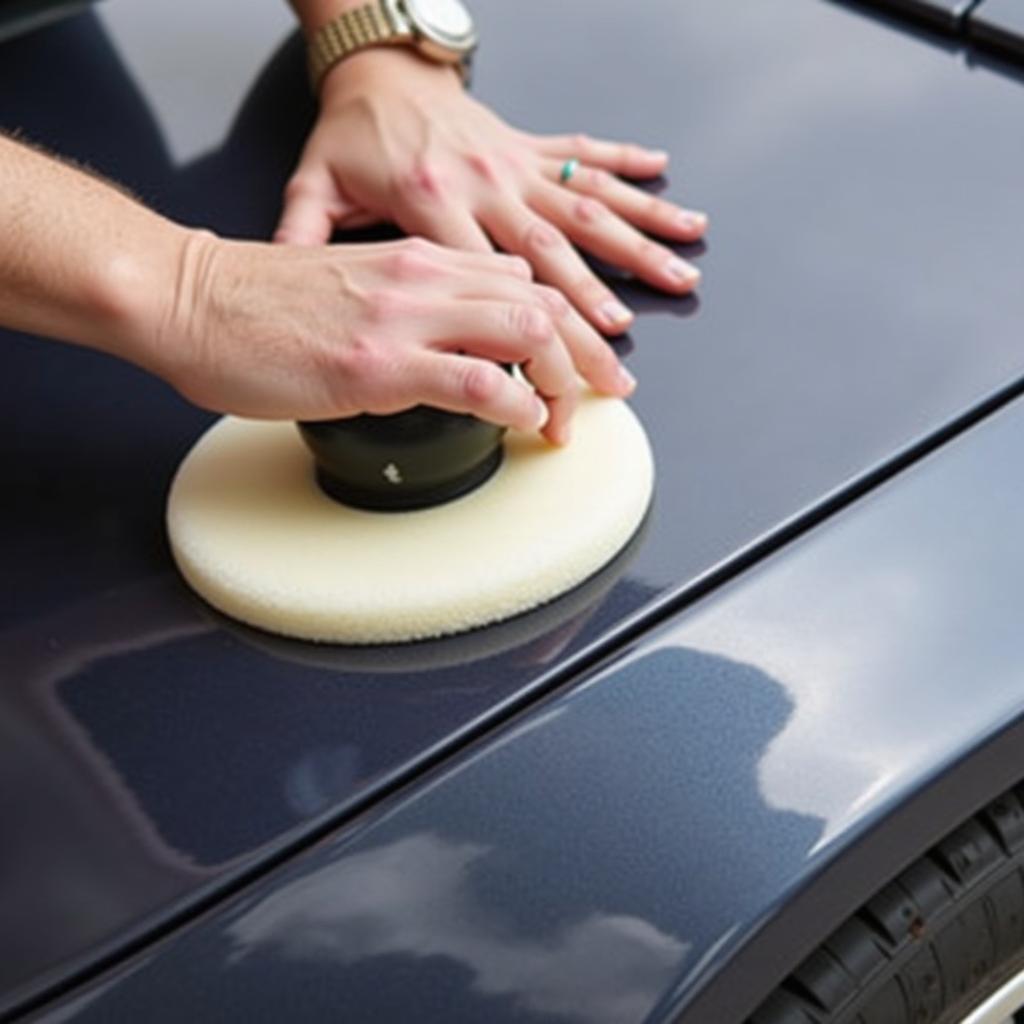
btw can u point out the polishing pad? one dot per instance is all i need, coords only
(254, 535)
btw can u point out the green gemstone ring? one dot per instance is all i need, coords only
(568, 170)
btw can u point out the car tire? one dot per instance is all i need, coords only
(931, 945)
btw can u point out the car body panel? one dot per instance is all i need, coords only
(601, 858)
(862, 289)
(20, 16)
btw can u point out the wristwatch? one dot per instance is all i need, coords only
(442, 30)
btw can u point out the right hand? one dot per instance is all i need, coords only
(289, 332)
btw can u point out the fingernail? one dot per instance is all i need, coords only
(680, 270)
(626, 380)
(614, 314)
(541, 414)
(657, 154)
(691, 220)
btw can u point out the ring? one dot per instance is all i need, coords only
(568, 170)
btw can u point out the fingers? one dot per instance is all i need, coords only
(517, 229)
(453, 226)
(506, 265)
(647, 212)
(312, 209)
(304, 221)
(355, 219)
(619, 157)
(479, 387)
(415, 261)
(419, 267)
(508, 332)
(594, 359)
(592, 226)
(592, 356)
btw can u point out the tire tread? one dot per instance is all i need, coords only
(930, 943)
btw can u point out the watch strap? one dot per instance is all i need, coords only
(347, 33)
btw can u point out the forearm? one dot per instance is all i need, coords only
(82, 261)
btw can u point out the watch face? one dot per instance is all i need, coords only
(444, 21)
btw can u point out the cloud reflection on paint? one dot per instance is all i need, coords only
(895, 632)
(413, 897)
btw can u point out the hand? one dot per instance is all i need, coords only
(399, 139)
(275, 331)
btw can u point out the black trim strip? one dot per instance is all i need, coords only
(985, 31)
(960, 29)
(950, 20)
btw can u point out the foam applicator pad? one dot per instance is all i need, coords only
(254, 535)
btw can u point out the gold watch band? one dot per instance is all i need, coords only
(349, 32)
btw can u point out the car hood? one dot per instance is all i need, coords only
(666, 839)
(862, 290)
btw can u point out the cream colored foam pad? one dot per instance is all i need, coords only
(254, 535)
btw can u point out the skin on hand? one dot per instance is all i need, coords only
(314, 332)
(288, 332)
(399, 139)
(274, 331)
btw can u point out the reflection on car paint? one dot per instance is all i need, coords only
(639, 828)
(828, 334)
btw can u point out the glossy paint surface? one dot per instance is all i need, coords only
(861, 287)
(602, 857)
(19, 16)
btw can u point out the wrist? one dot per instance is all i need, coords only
(337, 30)
(383, 66)
(147, 299)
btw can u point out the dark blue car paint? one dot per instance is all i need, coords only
(604, 856)
(21, 16)
(862, 288)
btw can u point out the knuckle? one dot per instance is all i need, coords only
(480, 383)
(298, 186)
(588, 211)
(582, 143)
(531, 324)
(419, 246)
(383, 305)
(520, 265)
(540, 236)
(411, 263)
(484, 167)
(422, 182)
(359, 361)
(596, 179)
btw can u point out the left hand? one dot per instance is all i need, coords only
(399, 139)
